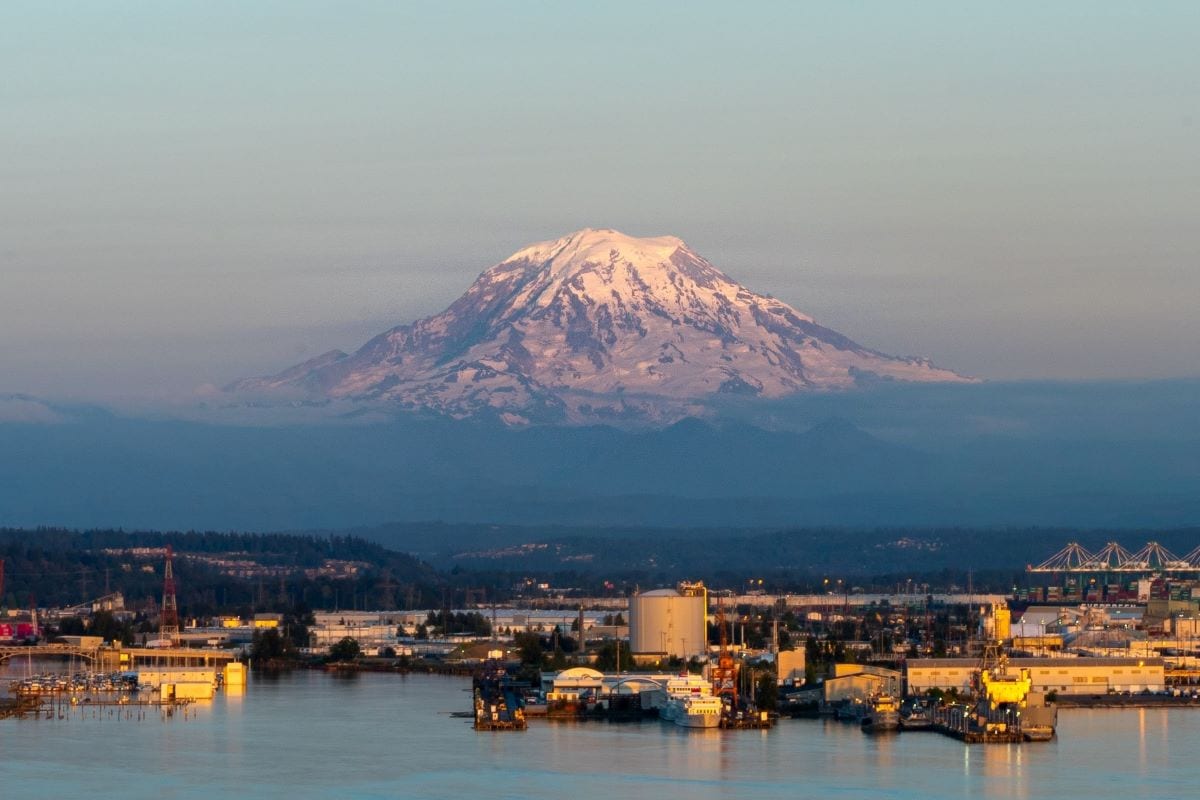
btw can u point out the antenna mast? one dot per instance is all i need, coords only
(168, 627)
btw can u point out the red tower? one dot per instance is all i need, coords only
(168, 627)
(725, 674)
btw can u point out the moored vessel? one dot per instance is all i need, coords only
(691, 703)
(882, 714)
(703, 711)
(915, 717)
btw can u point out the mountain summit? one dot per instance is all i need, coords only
(596, 325)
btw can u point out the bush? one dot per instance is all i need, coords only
(345, 650)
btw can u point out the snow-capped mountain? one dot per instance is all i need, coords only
(596, 325)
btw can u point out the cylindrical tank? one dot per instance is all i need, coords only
(668, 622)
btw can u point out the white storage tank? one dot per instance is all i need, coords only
(669, 622)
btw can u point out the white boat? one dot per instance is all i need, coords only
(691, 703)
(699, 712)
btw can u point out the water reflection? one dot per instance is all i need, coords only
(308, 734)
(1001, 767)
(1141, 713)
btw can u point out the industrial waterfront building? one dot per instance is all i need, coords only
(858, 682)
(1059, 675)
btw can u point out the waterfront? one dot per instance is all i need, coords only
(310, 734)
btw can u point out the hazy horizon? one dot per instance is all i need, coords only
(197, 192)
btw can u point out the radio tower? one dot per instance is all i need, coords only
(168, 627)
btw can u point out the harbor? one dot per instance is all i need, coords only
(365, 720)
(683, 658)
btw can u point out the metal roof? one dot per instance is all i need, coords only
(971, 663)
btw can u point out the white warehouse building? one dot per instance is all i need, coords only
(669, 622)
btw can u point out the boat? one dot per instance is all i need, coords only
(1039, 719)
(691, 703)
(1006, 709)
(1029, 714)
(915, 717)
(499, 705)
(703, 711)
(851, 710)
(882, 714)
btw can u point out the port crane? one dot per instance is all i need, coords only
(724, 675)
(1113, 558)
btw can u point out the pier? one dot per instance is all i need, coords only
(962, 723)
(134, 657)
(62, 707)
(747, 721)
(117, 657)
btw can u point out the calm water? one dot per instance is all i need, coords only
(311, 735)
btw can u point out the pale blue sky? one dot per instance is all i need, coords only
(193, 192)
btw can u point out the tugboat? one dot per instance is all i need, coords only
(882, 714)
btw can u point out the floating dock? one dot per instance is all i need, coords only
(747, 721)
(1003, 725)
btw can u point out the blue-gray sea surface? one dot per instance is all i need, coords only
(308, 734)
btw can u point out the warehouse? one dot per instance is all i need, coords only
(1061, 675)
(856, 682)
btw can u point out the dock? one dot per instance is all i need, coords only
(499, 704)
(51, 707)
(19, 706)
(130, 658)
(973, 727)
(748, 721)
